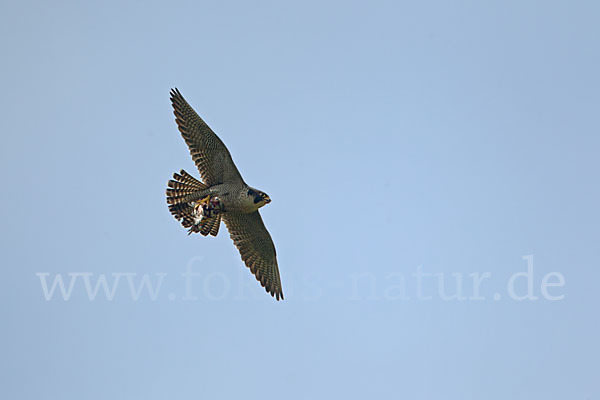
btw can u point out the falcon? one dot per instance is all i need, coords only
(222, 194)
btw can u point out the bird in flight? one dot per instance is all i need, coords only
(221, 195)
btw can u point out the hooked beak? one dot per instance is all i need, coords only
(267, 200)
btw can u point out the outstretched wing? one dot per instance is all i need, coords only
(208, 151)
(257, 249)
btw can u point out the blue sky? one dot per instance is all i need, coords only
(410, 150)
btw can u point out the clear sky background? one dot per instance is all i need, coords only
(446, 137)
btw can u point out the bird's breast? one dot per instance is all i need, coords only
(236, 200)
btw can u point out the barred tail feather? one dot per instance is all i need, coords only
(183, 187)
(182, 192)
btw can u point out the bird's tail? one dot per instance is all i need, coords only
(182, 195)
(182, 187)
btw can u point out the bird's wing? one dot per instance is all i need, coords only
(257, 249)
(208, 151)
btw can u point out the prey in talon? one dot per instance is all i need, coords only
(206, 209)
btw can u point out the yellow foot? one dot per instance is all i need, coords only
(205, 200)
(199, 204)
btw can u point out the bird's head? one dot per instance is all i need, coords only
(260, 198)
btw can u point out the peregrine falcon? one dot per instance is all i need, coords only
(222, 195)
